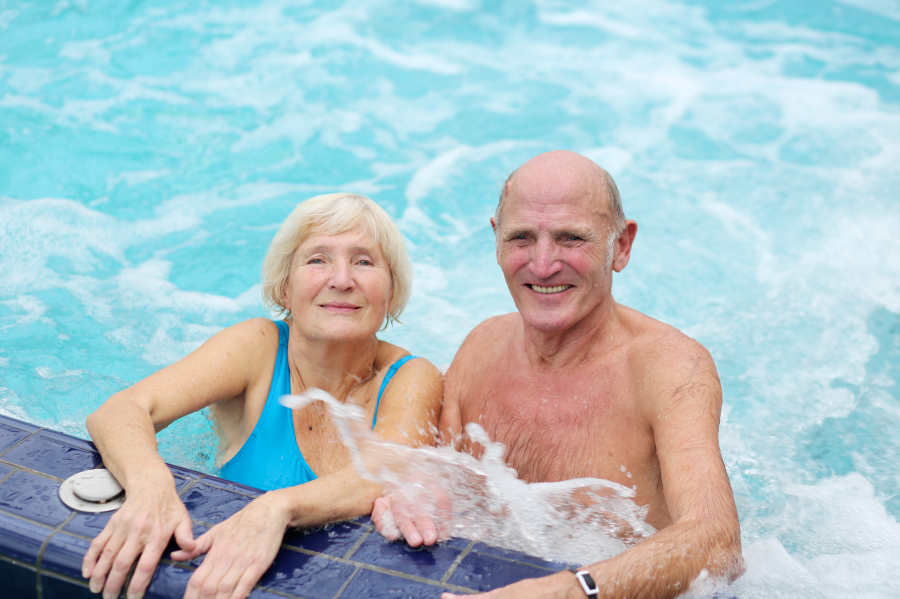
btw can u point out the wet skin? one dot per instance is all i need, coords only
(577, 385)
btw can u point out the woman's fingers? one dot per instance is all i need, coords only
(144, 570)
(240, 549)
(142, 527)
(184, 534)
(107, 552)
(201, 545)
(93, 553)
(121, 564)
(383, 518)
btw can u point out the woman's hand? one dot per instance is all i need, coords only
(240, 550)
(142, 526)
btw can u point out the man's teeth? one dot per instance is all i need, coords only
(556, 289)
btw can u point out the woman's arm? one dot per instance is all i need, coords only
(124, 430)
(244, 546)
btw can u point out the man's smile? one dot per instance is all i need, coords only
(555, 289)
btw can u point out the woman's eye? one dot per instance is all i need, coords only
(365, 262)
(315, 261)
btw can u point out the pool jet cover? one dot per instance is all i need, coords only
(92, 491)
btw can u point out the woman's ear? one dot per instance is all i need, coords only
(286, 295)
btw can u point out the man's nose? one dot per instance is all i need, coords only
(544, 260)
(341, 276)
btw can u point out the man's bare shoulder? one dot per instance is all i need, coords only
(491, 336)
(668, 359)
(484, 346)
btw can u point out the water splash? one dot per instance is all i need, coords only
(575, 521)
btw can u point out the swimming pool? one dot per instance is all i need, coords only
(149, 150)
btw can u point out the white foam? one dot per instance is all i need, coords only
(884, 8)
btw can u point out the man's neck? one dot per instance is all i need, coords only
(577, 344)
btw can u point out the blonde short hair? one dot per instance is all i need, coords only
(333, 214)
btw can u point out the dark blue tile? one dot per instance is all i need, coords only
(55, 588)
(181, 483)
(88, 525)
(212, 504)
(457, 543)
(306, 575)
(368, 583)
(50, 454)
(184, 472)
(427, 562)
(362, 520)
(198, 529)
(484, 572)
(335, 539)
(63, 554)
(25, 426)
(519, 557)
(10, 435)
(69, 440)
(221, 483)
(168, 581)
(18, 581)
(20, 539)
(33, 496)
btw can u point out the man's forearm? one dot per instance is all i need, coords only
(666, 564)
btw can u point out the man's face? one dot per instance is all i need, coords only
(551, 247)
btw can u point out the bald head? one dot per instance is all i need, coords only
(562, 172)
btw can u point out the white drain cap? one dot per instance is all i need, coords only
(92, 491)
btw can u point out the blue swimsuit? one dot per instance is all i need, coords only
(270, 459)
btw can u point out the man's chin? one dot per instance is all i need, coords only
(548, 323)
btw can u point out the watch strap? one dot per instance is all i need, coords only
(587, 583)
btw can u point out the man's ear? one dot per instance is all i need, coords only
(496, 239)
(623, 245)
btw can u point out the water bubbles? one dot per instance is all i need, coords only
(576, 521)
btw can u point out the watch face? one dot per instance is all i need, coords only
(587, 583)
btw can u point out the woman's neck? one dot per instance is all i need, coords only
(337, 367)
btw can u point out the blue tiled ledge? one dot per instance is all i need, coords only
(42, 541)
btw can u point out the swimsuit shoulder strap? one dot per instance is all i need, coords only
(387, 379)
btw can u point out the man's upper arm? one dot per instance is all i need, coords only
(685, 421)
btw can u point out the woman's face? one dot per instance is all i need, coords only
(339, 287)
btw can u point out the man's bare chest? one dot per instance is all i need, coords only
(563, 427)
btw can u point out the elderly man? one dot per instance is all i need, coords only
(576, 385)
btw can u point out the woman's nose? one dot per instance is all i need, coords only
(341, 276)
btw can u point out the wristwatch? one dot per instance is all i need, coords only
(587, 583)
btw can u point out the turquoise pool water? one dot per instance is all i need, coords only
(149, 151)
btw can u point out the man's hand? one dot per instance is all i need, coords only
(396, 516)
(142, 526)
(240, 550)
(561, 585)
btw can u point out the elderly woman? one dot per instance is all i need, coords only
(338, 269)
